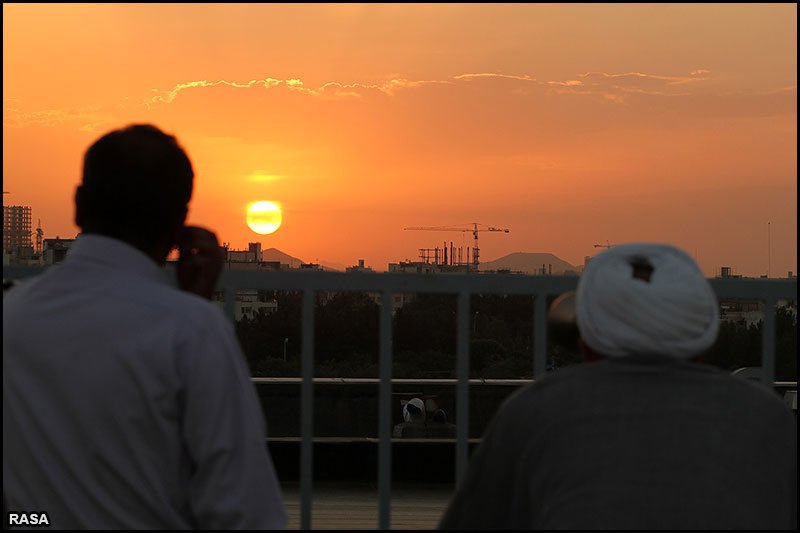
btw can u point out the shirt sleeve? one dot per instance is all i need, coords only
(233, 485)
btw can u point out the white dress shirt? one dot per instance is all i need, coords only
(127, 403)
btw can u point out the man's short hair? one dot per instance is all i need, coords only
(137, 182)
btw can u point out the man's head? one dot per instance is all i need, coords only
(439, 416)
(646, 299)
(137, 183)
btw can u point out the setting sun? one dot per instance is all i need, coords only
(264, 217)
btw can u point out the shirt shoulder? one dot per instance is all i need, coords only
(666, 386)
(192, 308)
(65, 294)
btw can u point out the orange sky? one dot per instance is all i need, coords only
(570, 125)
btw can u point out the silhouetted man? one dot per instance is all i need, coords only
(641, 437)
(440, 428)
(413, 425)
(127, 403)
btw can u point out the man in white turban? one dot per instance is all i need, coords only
(641, 436)
(413, 425)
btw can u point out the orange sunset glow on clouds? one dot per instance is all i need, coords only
(568, 124)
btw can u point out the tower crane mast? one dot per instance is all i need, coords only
(39, 237)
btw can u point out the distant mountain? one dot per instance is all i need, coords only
(273, 254)
(529, 263)
(333, 267)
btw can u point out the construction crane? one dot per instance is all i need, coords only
(39, 237)
(475, 229)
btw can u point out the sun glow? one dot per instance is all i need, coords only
(264, 217)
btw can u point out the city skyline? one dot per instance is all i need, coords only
(531, 263)
(569, 125)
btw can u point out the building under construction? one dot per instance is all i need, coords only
(459, 258)
(468, 261)
(16, 228)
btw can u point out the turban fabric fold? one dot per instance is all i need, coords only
(646, 299)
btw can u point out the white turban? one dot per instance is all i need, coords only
(414, 411)
(674, 314)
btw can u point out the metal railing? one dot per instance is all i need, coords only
(387, 284)
(463, 285)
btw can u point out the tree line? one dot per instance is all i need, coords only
(346, 338)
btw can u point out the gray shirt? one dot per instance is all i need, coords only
(634, 444)
(127, 403)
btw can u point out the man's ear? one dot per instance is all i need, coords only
(79, 207)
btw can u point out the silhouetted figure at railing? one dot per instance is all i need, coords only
(413, 425)
(642, 435)
(416, 425)
(439, 427)
(127, 403)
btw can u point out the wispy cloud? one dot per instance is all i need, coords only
(389, 88)
(614, 87)
(331, 89)
(609, 86)
(787, 89)
(493, 75)
(568, 83)
(14, 117)
(168, 96)
(94, 127)
(624, 82)
(671, 80)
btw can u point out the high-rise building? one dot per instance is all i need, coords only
(16, 227)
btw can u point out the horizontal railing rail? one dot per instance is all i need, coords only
(770, 291)
(510, 382)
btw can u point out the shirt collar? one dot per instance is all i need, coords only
(114, 253)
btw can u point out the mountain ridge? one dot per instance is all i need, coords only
(273, 254)
(530, 263)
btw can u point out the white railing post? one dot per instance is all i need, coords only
(230, 302)
(385, 413)
(768, 334)
(539, 336)
(462, 389)
(307, 410)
